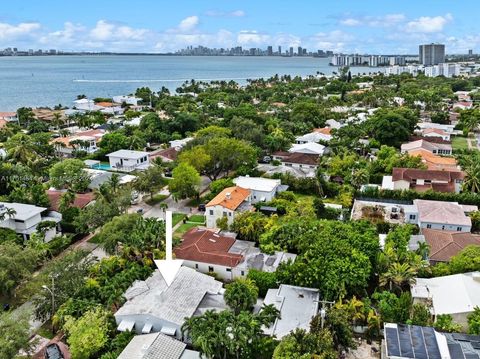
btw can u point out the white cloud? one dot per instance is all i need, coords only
(252, 38)
(373, 21)
(426, 24)
(188, 24)
(10, 32)
(235, 13)
(107, 31)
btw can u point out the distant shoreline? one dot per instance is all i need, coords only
(164, 54)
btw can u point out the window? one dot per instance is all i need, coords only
(429, 226)
(254, 197)
(196, 265)
(443, 227)
(229, 214)
(412, 216)
(242, 273)
(229, 269)
(211, 212)
(224, 214)
(459, 229)
(19, 221)
(210, 269)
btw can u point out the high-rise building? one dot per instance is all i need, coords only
(300, 51)
(279, 50)
(291, 51)
(270, 51)
(431, 54)
(470, 52)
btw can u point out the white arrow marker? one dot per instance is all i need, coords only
(168, 267)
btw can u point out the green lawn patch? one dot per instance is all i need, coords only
(177, 217)
(183, 229)
(156, 199)
(459, 143)
(95, 239)
(197, 218)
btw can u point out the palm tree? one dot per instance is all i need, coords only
(423, 250)
(7, 212)
(398, 275)
(471, 181)
(114, 182)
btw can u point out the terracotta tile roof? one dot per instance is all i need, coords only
(281, 153)
(435, 162)
(105, 104)
(302, 158)
(203, 245)
(324, 130)
(169, 153)
(231, 198)
(81, 199)
(434, 130)
(409, 174)
(8, 114)
(441, 212)
(444, 244)
(3, 122)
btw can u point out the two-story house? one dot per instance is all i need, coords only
(226, 204)
(128, 160)
(262, 189)
(423, 180)
(24, 219)
(435, 148)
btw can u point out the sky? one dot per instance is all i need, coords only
(349, 26)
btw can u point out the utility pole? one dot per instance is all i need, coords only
(323, 311)
(52, 293)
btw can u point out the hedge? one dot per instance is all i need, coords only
(409, 195)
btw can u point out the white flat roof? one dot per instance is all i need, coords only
(128, 154)
(451, 294)
(23, 211)
(297, 306)
(257, 183)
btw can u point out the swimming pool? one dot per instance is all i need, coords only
(102, 166)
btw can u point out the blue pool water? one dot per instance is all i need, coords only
(102, 166)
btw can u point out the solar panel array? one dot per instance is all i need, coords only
(411, 341)
(415, 342)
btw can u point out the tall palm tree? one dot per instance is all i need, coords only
(471, 181)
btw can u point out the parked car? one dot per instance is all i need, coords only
(265, 159)
(201, 207)
(140, 211)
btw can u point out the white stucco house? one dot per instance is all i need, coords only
(227, 203)
(129, 100)
(228, 258)
(262, 189)
(128, 160)
(25, 218)
(457, 295)
(445, 216)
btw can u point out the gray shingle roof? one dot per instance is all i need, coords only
(174, 303)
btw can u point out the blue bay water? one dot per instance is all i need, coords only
(52, 80)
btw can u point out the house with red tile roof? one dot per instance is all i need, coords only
(81, 199)
(83, 141)
(423, 180)
(435, 132)
(435, 162)
(445, 244)
(210, 252)
(227, 203)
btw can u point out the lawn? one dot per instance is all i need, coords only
(156, 199)
(177, 217)
(197, 218)
(459, 143)
(183, 229)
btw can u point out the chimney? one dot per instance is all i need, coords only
(228, 195)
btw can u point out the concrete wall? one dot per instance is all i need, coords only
(257, 196)
(222, 272)
(445, 227)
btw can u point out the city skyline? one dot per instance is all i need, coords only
(163, 27)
